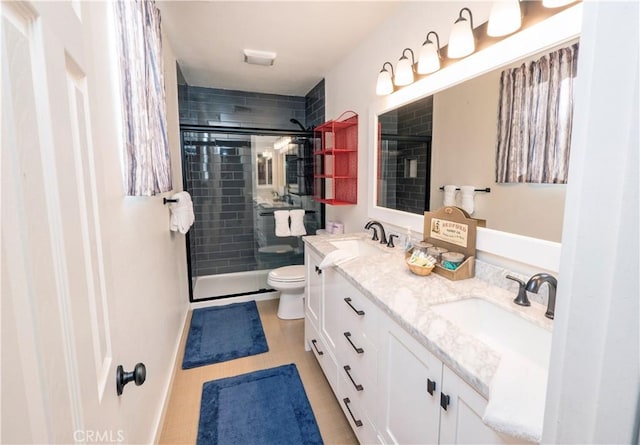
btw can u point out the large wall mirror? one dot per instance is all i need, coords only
(455, 141)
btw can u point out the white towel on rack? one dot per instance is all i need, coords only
(467, 193)
(450, 195)
(517, 397)
(182, 216)
(297, 222)
(282, 222)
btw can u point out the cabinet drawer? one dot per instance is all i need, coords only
(364, 364)
(322, 353)
(358, 313)
(354, 406)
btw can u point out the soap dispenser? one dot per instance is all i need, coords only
(522, 299)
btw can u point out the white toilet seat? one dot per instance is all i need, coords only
(288, 274)
(290, 281)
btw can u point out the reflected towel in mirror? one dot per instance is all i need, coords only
(450, 195)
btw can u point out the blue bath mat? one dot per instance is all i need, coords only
(263, 408)
(222, 333)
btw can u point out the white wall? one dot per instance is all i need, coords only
(145, 263)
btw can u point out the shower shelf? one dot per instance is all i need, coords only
(335, 161)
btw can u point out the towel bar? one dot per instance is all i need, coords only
(487, 190)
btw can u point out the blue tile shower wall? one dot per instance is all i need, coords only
(414, 119)
(230, 108)
(220, 179)
(314, 106)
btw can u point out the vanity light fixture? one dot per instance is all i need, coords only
(461, 41)
(384, 85)
(556, 3)
(505, 18)
(429, 59)
(404, 69)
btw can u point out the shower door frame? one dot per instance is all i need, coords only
(230, 130)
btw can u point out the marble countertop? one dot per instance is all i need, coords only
(407, 298)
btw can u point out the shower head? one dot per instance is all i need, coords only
(297, 122)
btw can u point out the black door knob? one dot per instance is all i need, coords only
(138, 375)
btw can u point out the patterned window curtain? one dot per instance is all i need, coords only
(534, 119)
(147, 157)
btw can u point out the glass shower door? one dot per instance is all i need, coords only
(237, 182)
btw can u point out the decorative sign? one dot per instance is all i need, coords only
(449, 231)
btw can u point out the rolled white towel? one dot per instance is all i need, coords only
(297, 222)
(182, 216)
(467, 193)
(282, 222)
(450, 195)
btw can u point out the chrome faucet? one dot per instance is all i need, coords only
(533, 285)
(383, 236)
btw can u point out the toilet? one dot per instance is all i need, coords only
(290, 281)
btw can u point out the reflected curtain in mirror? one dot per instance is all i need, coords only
(535, 116)
(147, 158)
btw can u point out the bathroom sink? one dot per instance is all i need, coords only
(357, 247)
(498, 328)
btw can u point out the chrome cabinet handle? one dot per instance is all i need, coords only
(346, 403)
(357, 311)
(357, 349)
(315, 346)
(357, 386)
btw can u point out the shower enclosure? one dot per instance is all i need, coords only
(237, 179)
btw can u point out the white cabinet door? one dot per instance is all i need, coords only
(461, 422)
(313, 288)
(409, 388)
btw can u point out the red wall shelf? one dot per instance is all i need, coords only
(335, 161)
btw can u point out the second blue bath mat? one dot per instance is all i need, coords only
(222, 333)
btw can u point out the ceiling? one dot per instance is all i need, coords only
(309, 37)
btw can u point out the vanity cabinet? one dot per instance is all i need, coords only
(423, 401)
(390, 387)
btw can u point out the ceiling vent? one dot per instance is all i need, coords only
(255, 57)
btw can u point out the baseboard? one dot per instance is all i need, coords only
(166, 396)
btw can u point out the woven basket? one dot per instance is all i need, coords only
(419, 270)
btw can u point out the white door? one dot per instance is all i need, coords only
(57, 356)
